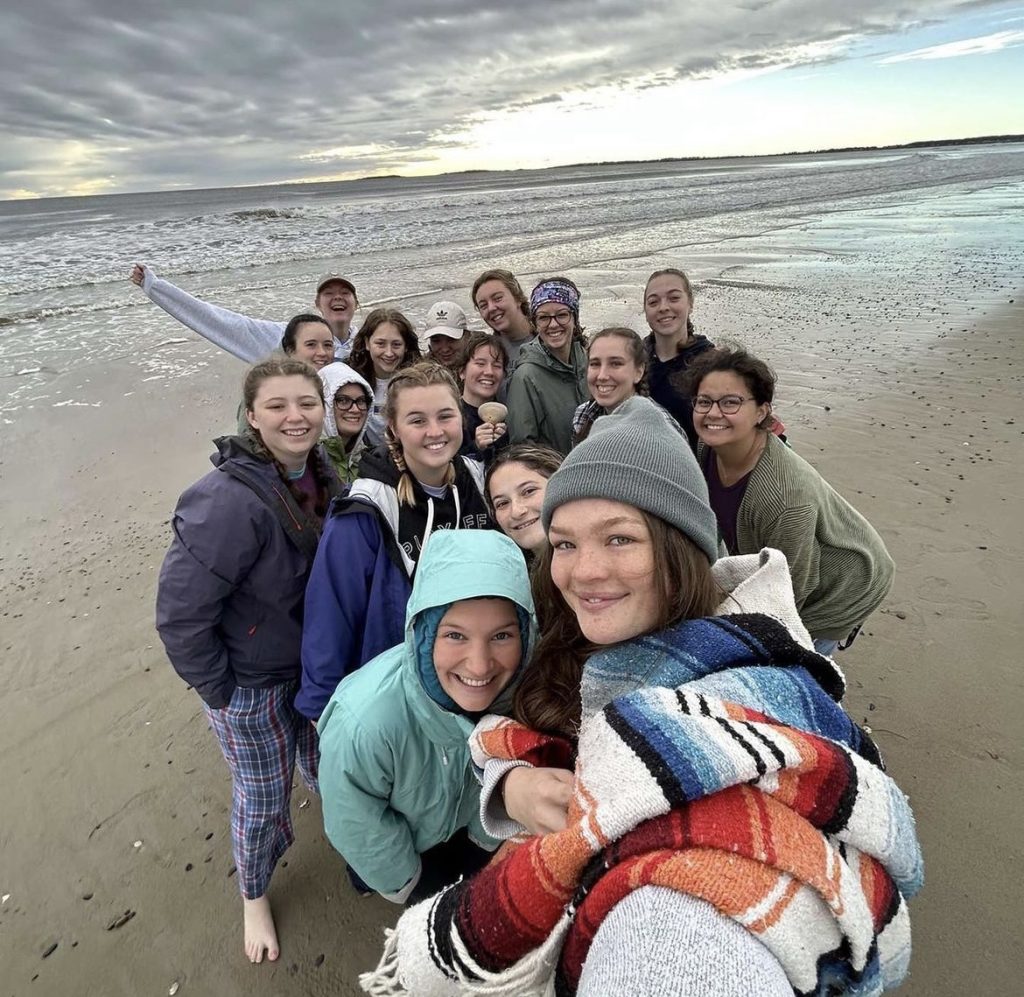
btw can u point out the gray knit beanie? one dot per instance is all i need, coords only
(639, 456)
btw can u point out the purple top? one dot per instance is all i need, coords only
(306, 486)
(725, 500)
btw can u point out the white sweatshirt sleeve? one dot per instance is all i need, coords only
(493, 815)
(249, 339)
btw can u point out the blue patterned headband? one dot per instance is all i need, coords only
(555, 290)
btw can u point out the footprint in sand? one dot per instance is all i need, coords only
(942, 592)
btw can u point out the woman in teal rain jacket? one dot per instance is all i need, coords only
(401, 802)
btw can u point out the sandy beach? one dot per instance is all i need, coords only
(900, 378)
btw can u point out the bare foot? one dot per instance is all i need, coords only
(260, 933)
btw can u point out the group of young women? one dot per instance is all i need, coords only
(382, 555)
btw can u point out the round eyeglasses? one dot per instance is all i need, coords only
(727, 404)
(560, 318)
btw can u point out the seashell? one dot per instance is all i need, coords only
(174, 989)
(493, 412)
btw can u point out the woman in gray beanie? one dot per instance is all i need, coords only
(638, 599)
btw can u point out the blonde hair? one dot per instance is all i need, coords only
(419, 375)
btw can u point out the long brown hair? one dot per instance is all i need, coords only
(548, 697)
(287, 367)
(425, 374)
(359, 359)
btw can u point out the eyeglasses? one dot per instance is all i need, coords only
(727, 404)
(562, 318)
(345, 403)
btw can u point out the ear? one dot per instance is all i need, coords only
(764, 415)
(250, 417)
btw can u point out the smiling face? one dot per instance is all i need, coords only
(612, 373)
(477, 650)
(289, 416)
(555, 324)
(716, 428)
(352, 419)
(500, 310)
(517, 494)
(483, 374)
(667, 305)
(386, 348)
(444, 349)
(603, 564)
(428, 425)
(336, 302)
(314, 343)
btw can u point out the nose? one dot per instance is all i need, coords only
(476, 662)
(590, 563)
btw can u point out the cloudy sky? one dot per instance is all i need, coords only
(102, 96)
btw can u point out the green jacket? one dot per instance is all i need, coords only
(840, 567)
(544, 393)
(345, 462)
(395, 769)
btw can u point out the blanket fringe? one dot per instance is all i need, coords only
(532, 976)
(384, 981)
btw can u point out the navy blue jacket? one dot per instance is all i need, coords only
(230, 597)
(665, 378)
(362, 577)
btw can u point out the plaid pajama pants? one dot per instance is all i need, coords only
(262, 736)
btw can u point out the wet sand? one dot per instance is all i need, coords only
(900, 379)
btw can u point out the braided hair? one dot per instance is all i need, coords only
(287, 367)
(420, 375)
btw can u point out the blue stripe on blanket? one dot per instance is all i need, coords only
(687, 765)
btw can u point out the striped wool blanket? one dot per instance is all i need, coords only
(799, 836)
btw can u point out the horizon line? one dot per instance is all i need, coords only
(969, 140)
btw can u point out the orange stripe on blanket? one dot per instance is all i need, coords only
(731, 883)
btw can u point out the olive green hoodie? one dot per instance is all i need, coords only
(543, 395)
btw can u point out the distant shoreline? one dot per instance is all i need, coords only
(978, 140)
(929, 144)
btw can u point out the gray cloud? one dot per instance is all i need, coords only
(155, 94)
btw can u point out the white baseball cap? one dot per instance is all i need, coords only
(445, 318)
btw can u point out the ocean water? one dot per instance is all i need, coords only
(65, 299)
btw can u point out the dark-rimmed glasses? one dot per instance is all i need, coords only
(560, 318)
(727, 404)
(345, 403)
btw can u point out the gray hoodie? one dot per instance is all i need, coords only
(249, 339)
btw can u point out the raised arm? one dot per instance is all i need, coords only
(249, 339)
